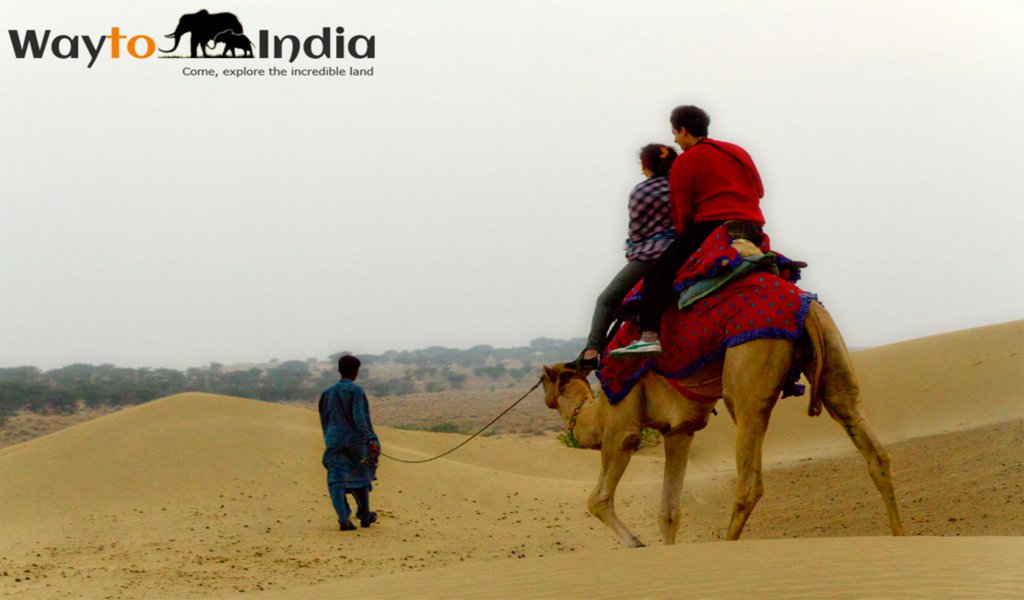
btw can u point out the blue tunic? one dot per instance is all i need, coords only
(345, 419)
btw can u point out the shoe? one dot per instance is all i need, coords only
(368, 521)
(347, 526)
(584, 364)
(637, 348)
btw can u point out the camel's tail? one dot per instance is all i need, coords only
(814, 330)
(831, 368)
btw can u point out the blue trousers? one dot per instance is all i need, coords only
(340, 501)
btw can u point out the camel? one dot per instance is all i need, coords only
(748, 380)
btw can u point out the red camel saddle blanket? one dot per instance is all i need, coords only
(715, 259)
(760, 305)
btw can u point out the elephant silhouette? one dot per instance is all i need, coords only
(232, 41)
(203, 27)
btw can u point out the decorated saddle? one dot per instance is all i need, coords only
(728, 299)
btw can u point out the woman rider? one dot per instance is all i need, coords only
(650, 233)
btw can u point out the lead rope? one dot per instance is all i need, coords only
(467, 440)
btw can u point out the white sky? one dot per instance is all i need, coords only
(473, 190)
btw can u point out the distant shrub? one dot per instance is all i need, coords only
(494, 372)
(446, 427)
(457, 380)
(389, 387)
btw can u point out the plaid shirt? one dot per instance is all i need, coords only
(650, 220)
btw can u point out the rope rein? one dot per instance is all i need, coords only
(467, 440)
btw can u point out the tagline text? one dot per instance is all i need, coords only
(279, 72)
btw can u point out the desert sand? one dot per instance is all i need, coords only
(202, 496)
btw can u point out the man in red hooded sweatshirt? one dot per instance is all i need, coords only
(710, 183)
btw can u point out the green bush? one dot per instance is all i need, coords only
(567, 440)
(649, 438)
(446, 427)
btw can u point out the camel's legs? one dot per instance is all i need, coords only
(677, 451)
(841, 397)
(751, 424)
(621, 438)
(877, 458)
(752, 376)
(842, 400)
(614, 460)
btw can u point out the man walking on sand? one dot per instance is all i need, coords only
(351, 446)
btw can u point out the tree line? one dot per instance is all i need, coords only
(540, 349)
(433, 369)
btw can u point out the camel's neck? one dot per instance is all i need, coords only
(588, 425)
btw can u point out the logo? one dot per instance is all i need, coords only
(206, 32)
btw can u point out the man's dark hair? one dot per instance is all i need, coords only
(348, 366)
(691, 118)
(657, 158)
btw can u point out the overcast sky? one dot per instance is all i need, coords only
(473, 190)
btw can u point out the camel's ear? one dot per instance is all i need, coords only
(559, 375)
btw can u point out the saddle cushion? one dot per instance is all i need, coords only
(717, 257)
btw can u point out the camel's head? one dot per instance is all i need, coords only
(561, 381)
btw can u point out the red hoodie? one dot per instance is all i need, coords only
(714, 181)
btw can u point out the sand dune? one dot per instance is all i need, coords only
(911, 389)
(198, 495)
(820, 568)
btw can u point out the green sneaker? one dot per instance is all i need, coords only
(637, 349)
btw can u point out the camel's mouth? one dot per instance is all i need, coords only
(550, 394)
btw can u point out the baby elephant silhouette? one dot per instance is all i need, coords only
(232, 41)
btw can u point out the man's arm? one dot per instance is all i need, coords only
(681, 190)
(361, 417)
(322, 407)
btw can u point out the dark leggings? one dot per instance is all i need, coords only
(610, 300)
(658, 282)
(362, 496)
(337, 491)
